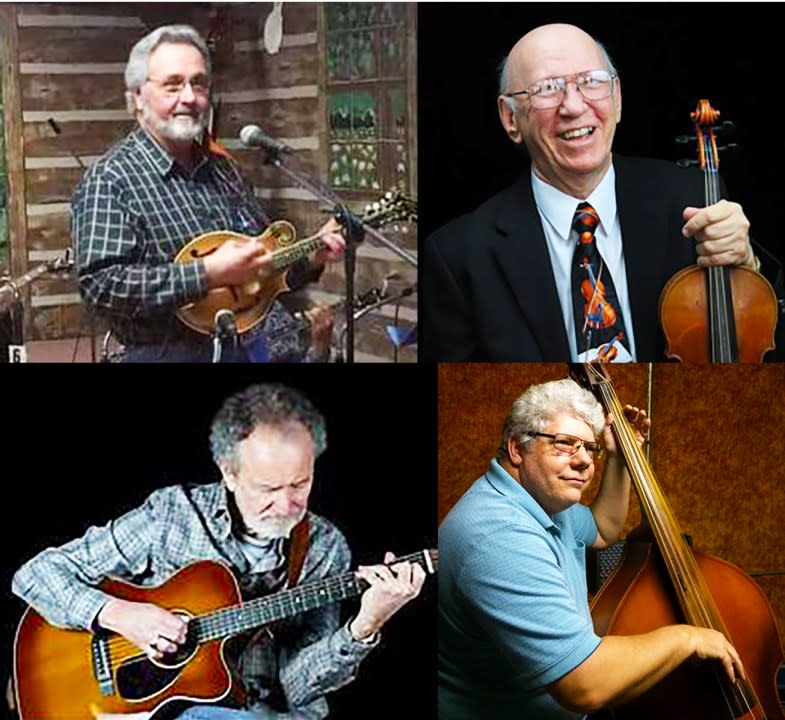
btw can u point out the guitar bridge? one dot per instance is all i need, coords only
(102, 663)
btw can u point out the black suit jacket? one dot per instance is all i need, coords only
(488, 288)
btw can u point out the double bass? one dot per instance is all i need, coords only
(662, 581)
(720, 313)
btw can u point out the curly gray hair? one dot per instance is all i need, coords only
(533, 410)
(138, 60)
(265, 404)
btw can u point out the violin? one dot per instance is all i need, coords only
(599, 312)
(720, 313)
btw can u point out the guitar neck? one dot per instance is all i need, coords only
(288, 603)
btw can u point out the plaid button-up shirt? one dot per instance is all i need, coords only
(310, 654)
(133, 211)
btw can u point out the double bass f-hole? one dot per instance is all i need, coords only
(720, 313)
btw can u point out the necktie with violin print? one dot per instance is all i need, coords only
(597, 314)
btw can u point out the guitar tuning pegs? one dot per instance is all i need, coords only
(729, 146)
(685, 163)
(726, 126)
(685, 139)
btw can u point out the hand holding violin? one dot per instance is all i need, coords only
(721, 232)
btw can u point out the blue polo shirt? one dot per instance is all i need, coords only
(513, 609)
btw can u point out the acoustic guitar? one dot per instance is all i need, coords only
(77, 675)
(250, 302)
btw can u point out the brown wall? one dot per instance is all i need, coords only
(716, 448)
(283, 93)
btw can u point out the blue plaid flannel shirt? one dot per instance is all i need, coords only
(133, 211)
(310, 655)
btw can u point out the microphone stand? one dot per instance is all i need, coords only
(381, 302)
(354, 227)
(88, 314)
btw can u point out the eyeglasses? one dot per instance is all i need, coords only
(174, 85)
(550, 92)
(569, 445)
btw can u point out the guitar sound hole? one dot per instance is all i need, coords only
(144, 677)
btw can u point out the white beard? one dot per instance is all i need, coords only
(271, 528)
(178, 128)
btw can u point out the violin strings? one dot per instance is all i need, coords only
(719, 318)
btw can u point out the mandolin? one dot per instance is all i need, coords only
(251, 302)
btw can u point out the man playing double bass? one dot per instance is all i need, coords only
(569, 262)
(161, 187)
(516, 637)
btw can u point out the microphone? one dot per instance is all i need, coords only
(253, 136)
(225, 324)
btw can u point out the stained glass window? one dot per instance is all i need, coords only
(367, 77)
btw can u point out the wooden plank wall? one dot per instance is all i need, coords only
(71, 58)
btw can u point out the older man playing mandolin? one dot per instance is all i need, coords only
(161, 187)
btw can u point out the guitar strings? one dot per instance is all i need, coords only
(224, 621)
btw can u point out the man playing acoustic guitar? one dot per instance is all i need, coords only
(161, 187)
(265, 440)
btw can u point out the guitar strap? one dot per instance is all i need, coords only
(298, 546)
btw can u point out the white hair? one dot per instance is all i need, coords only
(139, 59)
(540, 404)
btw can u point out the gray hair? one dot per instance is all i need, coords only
(267, 404)
(504, 70)
(540, 404)
(139, 59)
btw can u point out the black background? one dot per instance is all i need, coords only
(669, 55)
(89, 442)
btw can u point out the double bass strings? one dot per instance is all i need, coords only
(691, 590)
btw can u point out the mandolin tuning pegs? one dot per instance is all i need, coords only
(685, 139)
(685, 163)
